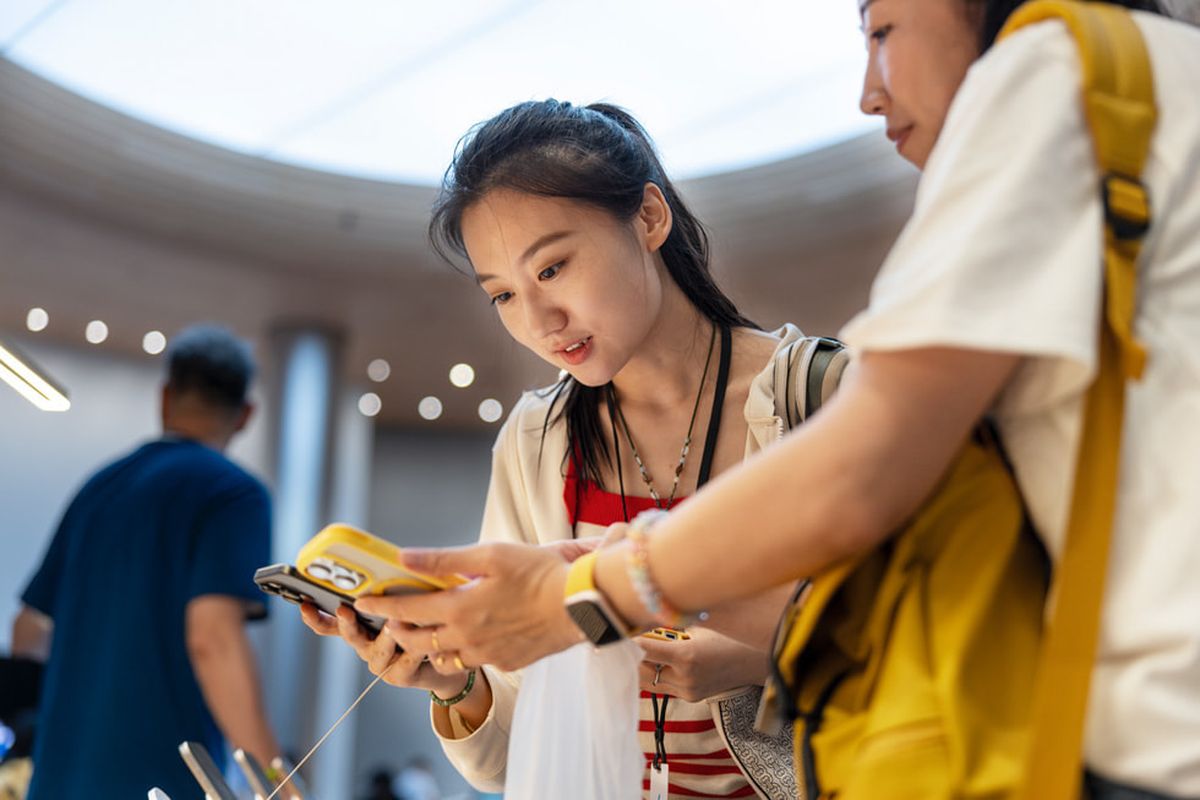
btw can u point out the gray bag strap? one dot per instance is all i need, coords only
(806, 375)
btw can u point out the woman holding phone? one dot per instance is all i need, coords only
(988, 305)
(593, 261)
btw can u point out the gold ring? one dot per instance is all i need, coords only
(441, 660)
(433, 638)
(458, 662)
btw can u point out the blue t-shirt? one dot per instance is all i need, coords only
(172, 521)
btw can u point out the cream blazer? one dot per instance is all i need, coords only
(525, 504)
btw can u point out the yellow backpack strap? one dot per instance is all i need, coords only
(1118, 94)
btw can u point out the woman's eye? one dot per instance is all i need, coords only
(879, 34)
(551, 271)
(501, 298)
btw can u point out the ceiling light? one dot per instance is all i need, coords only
(490, 410)
(429, 408)
(379, 370)
(462, 375)
(370, 404)
(96, 331)
(37, 319)
(20, 373)
(154, 342)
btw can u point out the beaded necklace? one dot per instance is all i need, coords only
(619, 417)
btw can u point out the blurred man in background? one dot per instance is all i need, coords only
(139, 606)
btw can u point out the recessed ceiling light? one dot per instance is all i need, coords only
(429, 408)
(37, 319)
(154, 342)
(490, 410)
(370, 404)
(96, 331)
(379, 370)
(462, 375)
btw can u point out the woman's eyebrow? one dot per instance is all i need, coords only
(542, 241)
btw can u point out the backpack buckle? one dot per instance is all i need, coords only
(1126, 206)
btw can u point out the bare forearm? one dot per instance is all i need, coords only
(833, 489)
(228, 677)
(473, 708)
(752, 621)
(32, 634)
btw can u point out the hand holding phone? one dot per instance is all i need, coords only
(284, 580)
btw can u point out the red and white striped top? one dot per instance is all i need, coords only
(700, 764)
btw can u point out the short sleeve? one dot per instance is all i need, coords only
(43, 588)
(232, 540)
(1003, 251)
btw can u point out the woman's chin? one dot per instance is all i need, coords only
(594, 381)
(585, 375)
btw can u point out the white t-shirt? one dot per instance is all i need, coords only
(1003, 253)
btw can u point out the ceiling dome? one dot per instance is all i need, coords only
(383, 90)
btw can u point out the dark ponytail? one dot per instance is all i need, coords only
(599, 155)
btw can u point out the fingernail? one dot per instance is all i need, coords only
(416, 558)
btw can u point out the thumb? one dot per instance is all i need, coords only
(471, 561)
(571, 549)
(614, 534)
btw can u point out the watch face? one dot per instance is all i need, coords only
(591, 619)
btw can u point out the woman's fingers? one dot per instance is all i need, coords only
(351, 631)
(448, 663)
(317, 621)
(510, 615)
(380, 653)
(571, 549)
(648, 671)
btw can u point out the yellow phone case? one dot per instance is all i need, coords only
(356, 563)
(667, 634)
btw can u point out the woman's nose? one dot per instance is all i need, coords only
(873, 101)
(543, 318)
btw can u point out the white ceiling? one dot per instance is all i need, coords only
(384, 88)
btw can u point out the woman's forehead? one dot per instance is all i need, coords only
(520, 216)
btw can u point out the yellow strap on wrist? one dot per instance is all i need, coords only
(581, 577)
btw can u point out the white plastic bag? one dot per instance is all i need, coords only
(574, 731)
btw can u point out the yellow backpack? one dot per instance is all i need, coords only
(920, 669)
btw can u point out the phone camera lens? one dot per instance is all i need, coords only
(319, 570)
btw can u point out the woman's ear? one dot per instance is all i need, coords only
(654, 219)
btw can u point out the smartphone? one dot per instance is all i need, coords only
(353, 562)
(205, 771)
(668, 634)
(256, 777)
(284, 580)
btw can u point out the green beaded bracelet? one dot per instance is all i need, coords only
(458, 698)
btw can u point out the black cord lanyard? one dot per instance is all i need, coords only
(710, 446)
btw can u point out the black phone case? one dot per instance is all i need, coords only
(284, 580)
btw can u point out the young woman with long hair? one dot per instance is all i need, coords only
(594, 262)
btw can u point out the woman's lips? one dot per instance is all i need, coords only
(899, 136)
(577, 352)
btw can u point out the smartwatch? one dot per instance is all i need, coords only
(587, 607)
